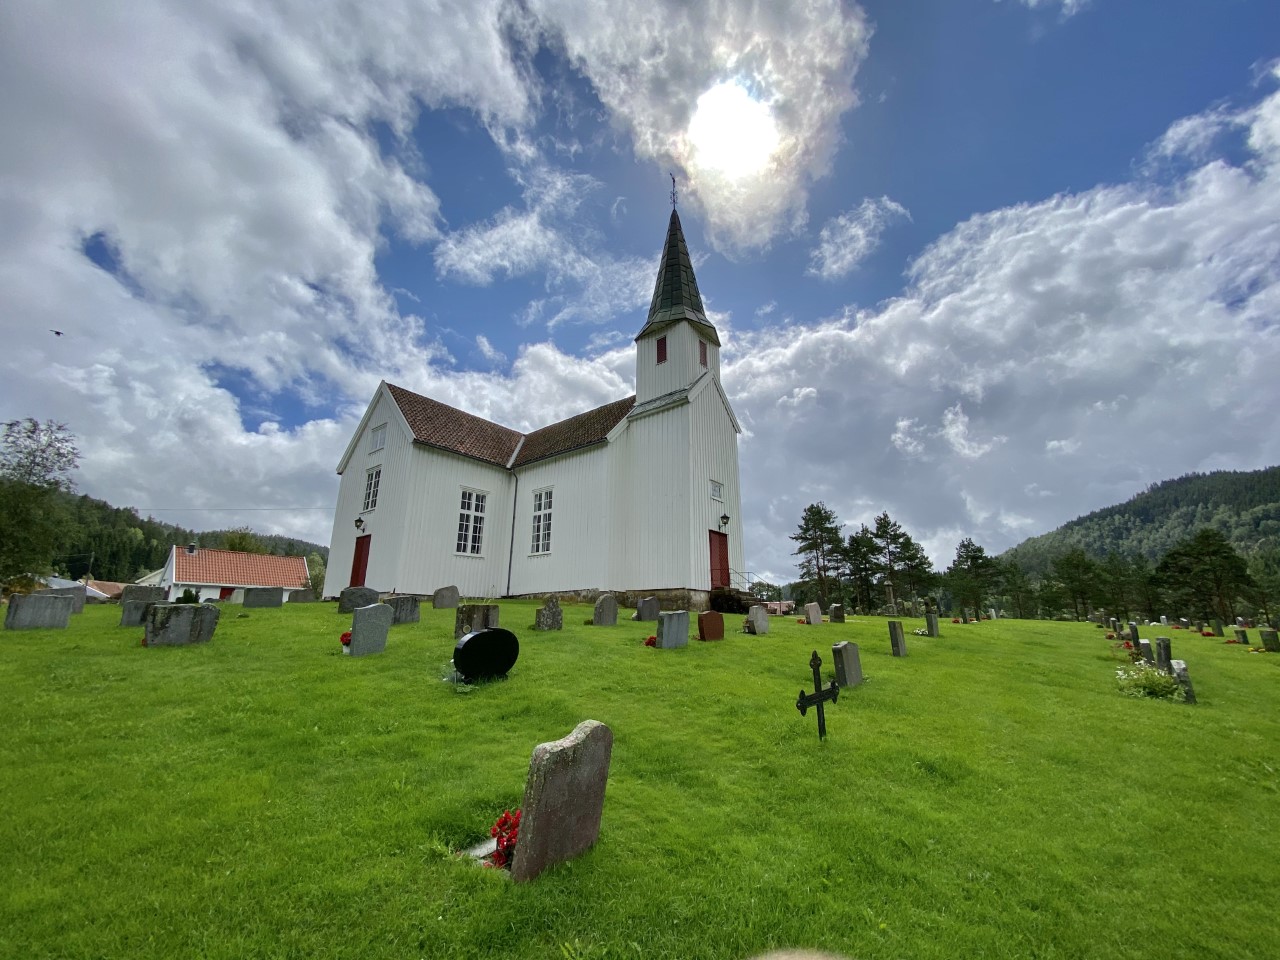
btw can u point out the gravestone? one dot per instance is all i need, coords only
(646, 609)
(812, 613)
(992, 612)
(1199, 626)
(446, 598)
(1133, 633)
(1179, 668)
(404, 609)
(1217, 628)
(1114, 624)
(605, 613)
(1164, 654)
(473, 617)
(78, 593)
(757, 620)
(486, 654)
(819, 696)
(1184, 623)
(369, 626)
(305, 595)
(711, 625)
(1145, 647)
(836, 613)
(1242, 635)
(848, 663)
(1164, 621)
(179, 624)
(897, 642)
(133, 613)
(352, 598)
(1270, 640)
(39, 611)
(673, 629)
(931, 624)
(550, 616)
(136, 591)
(563, 799)
(263, 597)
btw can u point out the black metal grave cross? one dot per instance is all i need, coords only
(819, 696)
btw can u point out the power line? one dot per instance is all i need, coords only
(210, 509)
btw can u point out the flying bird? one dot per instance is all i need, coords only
(56, 333)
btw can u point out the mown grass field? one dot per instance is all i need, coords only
(991, 795)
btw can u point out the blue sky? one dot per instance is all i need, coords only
(985, 264)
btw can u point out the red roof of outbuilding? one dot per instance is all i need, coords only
(231, 568)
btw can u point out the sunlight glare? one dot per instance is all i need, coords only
(731, 133)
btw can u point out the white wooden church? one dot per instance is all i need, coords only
(638, 496)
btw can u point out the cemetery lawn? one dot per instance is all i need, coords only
(990, 795)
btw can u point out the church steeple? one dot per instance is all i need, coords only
(675, 295)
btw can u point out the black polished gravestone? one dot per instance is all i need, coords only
(485, 654)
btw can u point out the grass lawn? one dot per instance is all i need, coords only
(991, 795)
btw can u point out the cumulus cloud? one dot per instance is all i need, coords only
(846, 240)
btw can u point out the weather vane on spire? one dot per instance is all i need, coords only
(673, 190)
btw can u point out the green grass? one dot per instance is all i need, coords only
(992, 795)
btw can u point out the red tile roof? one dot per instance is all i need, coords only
(580, 431)
(230, 568)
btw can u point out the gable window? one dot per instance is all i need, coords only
(662, 349)
(717, 490)
(371, 481)
(702, 352)
(471, 522)
(541, 522)
(377, 438)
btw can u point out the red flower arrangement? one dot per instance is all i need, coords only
(801, 620)
(955, 619)
(650, 641)
(506, 831)
(1207, 633)
(346, 639)
(1128, 645)
(1111, 636)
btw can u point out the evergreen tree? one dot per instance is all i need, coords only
(1013, 582)
(1205, 576)
(1078, 576)
(819, 546)
(860, 566)
(971, 575)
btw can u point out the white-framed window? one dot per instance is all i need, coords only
(377, 438)
(371, 481)
(717, 490)
(471, 522)
(541, 521)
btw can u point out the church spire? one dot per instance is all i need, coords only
(675, 295)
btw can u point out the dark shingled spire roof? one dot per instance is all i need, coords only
(675, 295)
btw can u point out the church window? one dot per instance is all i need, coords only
(541, 522)
(662, 349)
(702, 352)
(377, 438)
(371, 481)
(717, 490)
(471, 522)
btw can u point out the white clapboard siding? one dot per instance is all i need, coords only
(581, 524)
(713, 455)
(681, 368)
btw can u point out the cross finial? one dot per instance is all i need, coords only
(673, 191)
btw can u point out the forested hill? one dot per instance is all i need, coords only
(1245, 506)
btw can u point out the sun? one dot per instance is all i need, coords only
(731, 132)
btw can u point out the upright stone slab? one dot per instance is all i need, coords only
(606, 611)
(352, 598)
(1164, 654)
(474, 617)
(1114, 624)
(812, 613)
(263, 597)
(180, 624)
(369, 628)
(994, 615)
(78, 594)
(848, 663)
(1179, 668)
(1147, 654)
(305, 595)
(404, 609)
(931, 624)
(1270, 640)
(758, 620)
(711, 625)
(1133, 633)
(446, 598)
(897, 642)
(137, 591)
(549, 616)
(39, 611)
(133, 613)
(1217, 628)
(563, 799)
(1242, 635)
(836, 613)
(673, 629)
(646, 609)
(1164, 620)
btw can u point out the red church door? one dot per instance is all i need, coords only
(360, 562)
(719, 559)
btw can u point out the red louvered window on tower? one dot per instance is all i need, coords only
(702, 352)
(662, 349)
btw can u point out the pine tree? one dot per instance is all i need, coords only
(820, 545)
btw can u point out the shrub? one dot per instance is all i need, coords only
(188, 596)
(1142, 679)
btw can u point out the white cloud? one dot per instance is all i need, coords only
(846, 240)
(1069, 7)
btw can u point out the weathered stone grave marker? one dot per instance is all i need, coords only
(1133, 633)
(1164, 654)
(1217, 628)
(812, 613)
(1242, 635)
(263, 597)
(549, 616)
(405, 608)
(605, 613)
(819, 695)
(474, 617)
(446, 598)
(897, 641)
(39, 611)
(848, 664)
(486, 654)
(138, 591)
(369, 628)
(673, 629)
(133, 613)
(711, 625)
(931, 624)
(78, 594)
(180, 624)
(305, 595)
(758, 620)
(1145, 647)
(1270, 640)
(836, 613)
(646, 609)
(1179, 668)
(352, 598)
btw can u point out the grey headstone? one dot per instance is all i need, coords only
(1179, 668)
(931, 624)
(133, 613)
(1217, 628)
(1133, 633)
(836, 613)
(1147, 654)
(137, 591)
(1242, 634)
(606, 611)
(352, 598)
(673, 629)
(647, 609)
(179, 624)
(1114, 624)
(39, 611)
(76, 593)
(549, 616)
(897, 642)
(446, 598)
(405, 609)
(1164, 654)
(992, 611)
(474, 617)
(812, 613)
(848, 663)
(263, 597)
(758, 620)
(1270, 640)
(563, 799)
(1164, 620)
(305, 595)
(369, 627)
(1185, 623)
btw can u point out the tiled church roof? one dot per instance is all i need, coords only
(231, 568)
(580, 431)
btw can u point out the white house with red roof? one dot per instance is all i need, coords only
(223, 574)
(638, 496)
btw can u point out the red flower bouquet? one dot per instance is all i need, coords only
(346, 639)
(506, 831)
